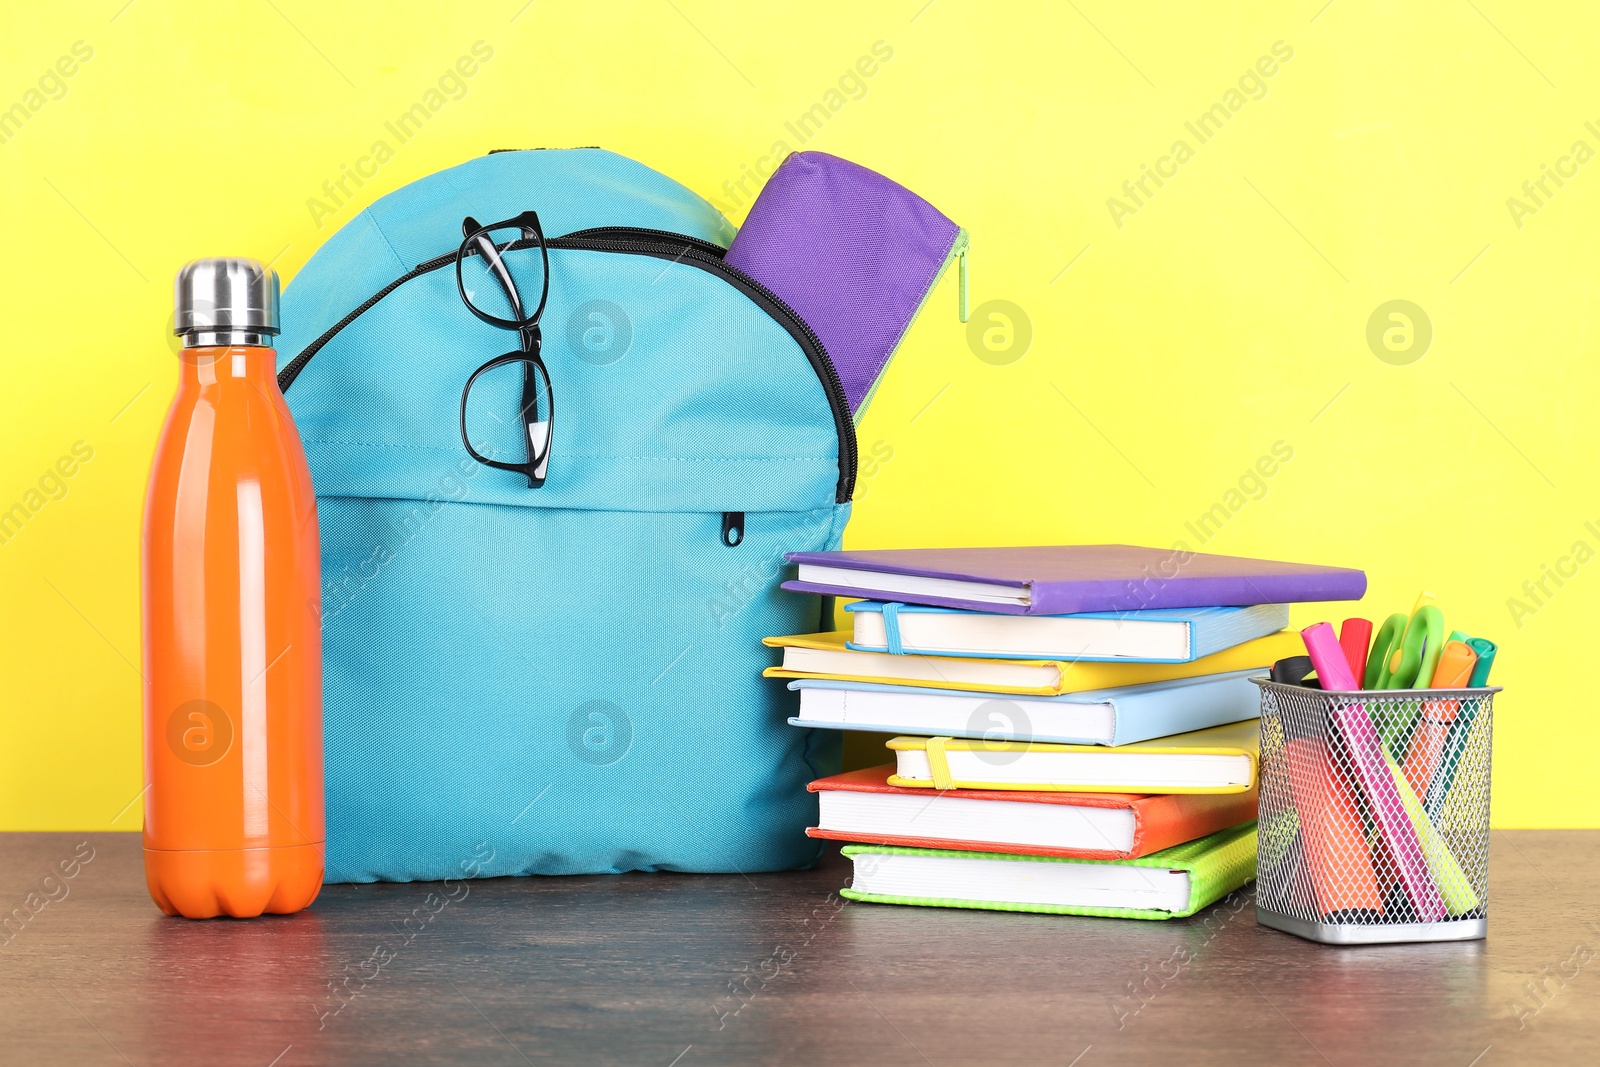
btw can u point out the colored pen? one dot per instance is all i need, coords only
(1485, 650)
(1394, 824)
(1333, 847)
(1454, 887)
(1291, 670)
(1427, 742)
(1455, 668)
(1327, 656)
(1356, 638)
(1455, 745)
(1398, 831)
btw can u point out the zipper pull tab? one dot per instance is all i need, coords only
(732, 528)
(961, 277)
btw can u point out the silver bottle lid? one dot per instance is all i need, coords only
(225, 300)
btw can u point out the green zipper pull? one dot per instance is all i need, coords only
(961, 275)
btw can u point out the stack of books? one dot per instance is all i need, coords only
(1074, 727)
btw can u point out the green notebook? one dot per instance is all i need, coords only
(1169, 884)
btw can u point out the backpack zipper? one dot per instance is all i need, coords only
(661, 244)
(635, 233)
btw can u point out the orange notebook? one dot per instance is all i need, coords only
(862, 806)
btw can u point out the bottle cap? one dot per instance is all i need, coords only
(225, 300)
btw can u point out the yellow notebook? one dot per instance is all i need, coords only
(826, 656)
(1219, 760)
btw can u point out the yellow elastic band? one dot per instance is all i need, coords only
(939, 763)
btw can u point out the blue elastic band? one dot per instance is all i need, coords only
(891, 629)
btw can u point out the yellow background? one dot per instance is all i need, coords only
(1167, 355)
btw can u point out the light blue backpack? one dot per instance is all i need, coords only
(554, 660)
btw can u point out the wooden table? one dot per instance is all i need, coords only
(680, 971)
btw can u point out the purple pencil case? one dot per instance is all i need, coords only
(853, 253)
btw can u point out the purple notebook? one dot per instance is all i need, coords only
(1067, 579)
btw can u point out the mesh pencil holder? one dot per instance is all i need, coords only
(1374, 821)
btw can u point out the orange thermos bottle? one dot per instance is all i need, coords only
(232, 636)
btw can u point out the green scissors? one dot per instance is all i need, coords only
(1404, 656)
(1406, 651)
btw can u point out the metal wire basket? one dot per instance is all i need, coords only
(1374, 822)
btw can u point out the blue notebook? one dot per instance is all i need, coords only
(1117, 716)
(1168, 635)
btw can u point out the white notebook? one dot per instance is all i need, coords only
(953, 817)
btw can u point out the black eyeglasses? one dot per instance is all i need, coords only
(492, 287)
